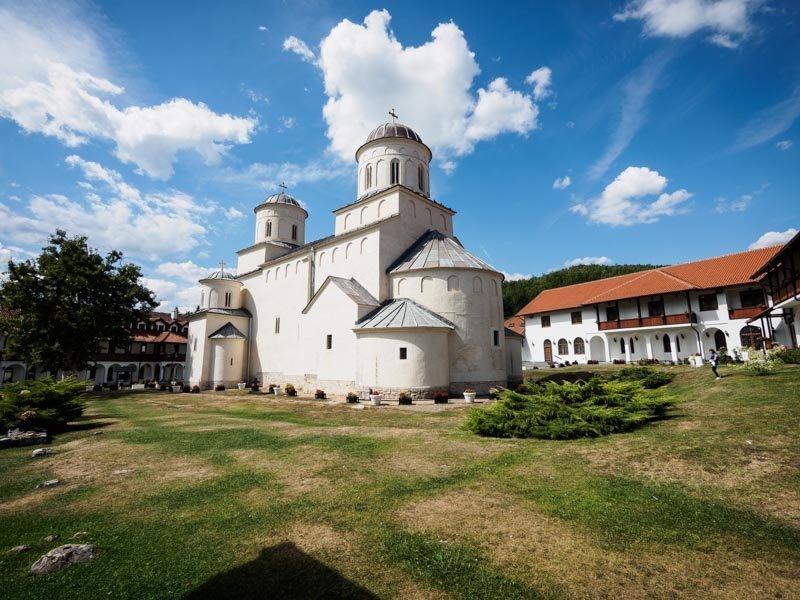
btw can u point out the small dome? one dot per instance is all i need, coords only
(393, 130)
(281, 198)
(221, 275)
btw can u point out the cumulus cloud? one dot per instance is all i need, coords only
(541, 79)
(186, 271)
(783, 145)
(622, 201)
(170, 294)
(727, 20)
(299, 47)
(234, 213)
(55, 81)
(562, 183)
(588, 260)
(773, 238)
(366, 70)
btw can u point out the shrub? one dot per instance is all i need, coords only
(570, 410)
(618, 361)
(186, 389)
(195, 389)
(404, 399)
(592, 361)
(521, 389)
(759, 364)
(219, 387)
(352, 398)
(290, 391)
(43, 404)
(650, 378)
(647, 361)
(790, 356)
(441, 397)
(319, 395)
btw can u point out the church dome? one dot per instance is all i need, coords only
(281, 198)
(221, 275)
(393, 130)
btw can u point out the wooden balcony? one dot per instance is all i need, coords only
(744, 313)
(679, 319)
(786, 291)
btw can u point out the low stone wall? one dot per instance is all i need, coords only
(15, 437)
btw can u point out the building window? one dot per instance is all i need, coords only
(328, 342)
(269, 228)
(294, 232)
(655, 308)
(667, 345)
(545, 320)
(677, 343)
(394, 167)
(633, 351)
(141, 325)
(708, 302)
(750, 298)
(277, 324)
(421, 178)
(612, 313)
(228, 299)
(496, 338)
(194, 344)
(578, 346)
(563, 348)
(577, 317)
(403, 353)
(143, 349)
(622, 345)
(368, 177)
(751, 337)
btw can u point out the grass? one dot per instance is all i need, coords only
(226, 495)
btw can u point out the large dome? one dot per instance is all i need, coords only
(281, 198)
(221, 275)
(393, 130)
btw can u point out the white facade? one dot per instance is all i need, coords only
(298, 304)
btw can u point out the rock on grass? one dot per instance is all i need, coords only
(62, 557)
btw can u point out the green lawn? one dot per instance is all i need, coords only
(229, 495)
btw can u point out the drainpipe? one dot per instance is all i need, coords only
(691, 324)
(311, 273)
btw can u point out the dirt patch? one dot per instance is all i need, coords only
(542, 550)
(300, 472)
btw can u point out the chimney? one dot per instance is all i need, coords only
(174, 314)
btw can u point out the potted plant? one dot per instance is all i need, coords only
(255, 388)
(319, 395)
(241, 385)
(404, 399)
(276, 389)
(195, 389)
(441, 398)
(352, 398)
(290, 391)
(469, 395)
(375, 397)
(220, 387)
(696, 360)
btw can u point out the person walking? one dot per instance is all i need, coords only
(714, 360)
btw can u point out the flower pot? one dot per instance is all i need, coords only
(469, 397)
(375, 399)
(278, 390)
(241, 386)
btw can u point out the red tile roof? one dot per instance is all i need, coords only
(515, 324)
(169, 337)
(710, 273)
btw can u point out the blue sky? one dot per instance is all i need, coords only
(612, 132)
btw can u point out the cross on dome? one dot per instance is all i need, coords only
(393, 114)
(283, 186)
(222, 266)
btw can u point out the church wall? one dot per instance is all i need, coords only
(196, 347)
(282, 216)
(426, 367)
(199, 356)
(379, 156)
(513, 349)
(354, 257)
(226, 361)
(472, 301)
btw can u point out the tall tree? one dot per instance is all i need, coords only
(57, 309)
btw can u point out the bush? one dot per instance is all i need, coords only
(647, 361)
(195, 389)
(186, 389)
(521, 389)
(618, 361)
(592, 361)
(789, 356)
(43, 404)
(319, 395)
(759, 364)
(441, 397)
(404, 399)
(352, 398)
(219, 387)
(570, 410)
(650, 378)
(290, 391)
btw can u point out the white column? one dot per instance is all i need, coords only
(607, 347)
(674, 347)
(628, 351)
(648, 342)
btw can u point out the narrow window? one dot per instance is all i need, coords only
(403, 353)
(655, 308)
(277, 324)
(578, 346)
(421, 178)
(227, 299)
(563, 348)
(194, 344)
(294, 232)
(545, 320)
(328, 341)
(677, 343)
(495, 338)
(667, 345)
(622, 345)
(231, 361)
(269, 228)
(633, 350)
(577, 317)
(368, 177)
(395, 172)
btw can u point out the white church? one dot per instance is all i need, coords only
(391, 301)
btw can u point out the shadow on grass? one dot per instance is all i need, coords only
(281, 571)
(84, 426)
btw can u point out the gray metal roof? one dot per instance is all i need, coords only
(232, 312)
(396, 130)
(221, 275)
(280, 198)
(403, 313)
(355, 291)
(434, 250)
(227, 332)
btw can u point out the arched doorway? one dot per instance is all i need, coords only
(751, 337)
(157, 372)
(719, 340)
(597, 349)
(548, 351)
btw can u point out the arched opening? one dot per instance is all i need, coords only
(382, 209)
(452, 283)
(394, 171)
(443, 221)
(368, 177)
(347, 250)
(548, 351)
(413, 206)
(633, 350)
(578, 346)
(667, 344)
(430, 216)
(425, 284)
(597, 349)
(719, 340)
(563, 347)
(751, 337)
(334, 252)
(400, 283)
(364, 246)
(421, 178)
(477, 285)
(622, 346)
(347, 221)
(269, 229)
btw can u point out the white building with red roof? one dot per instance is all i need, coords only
(667, 314)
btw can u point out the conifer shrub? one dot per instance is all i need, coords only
(290, 390)
(650, 378)
(789, 356)
(570, 410)
(42, 404)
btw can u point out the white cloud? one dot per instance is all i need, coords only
(784, 145)
(55, 81)
(288, 122)
(621, 201)
(367, 70)
(187, 271)
(769, 122)
(728, 20)
(267, 176)
(588, 260)
(170, 294)
(562, 183)
(516, 276)
(541, 80)
(773, 238)
(636, 91)
(740, 204)
(299, 47)
(233, 213)
(263, 28)
(14, 253)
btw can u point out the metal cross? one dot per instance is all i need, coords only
(282, 185)
(393, 115)
(222, 266)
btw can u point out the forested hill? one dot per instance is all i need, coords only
(517, 294)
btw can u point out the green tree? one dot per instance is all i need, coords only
(57, 309)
